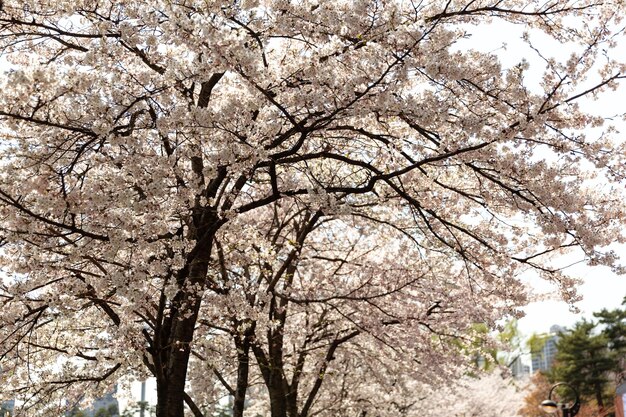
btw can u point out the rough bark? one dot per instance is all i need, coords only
(174, 341)
(242, 342)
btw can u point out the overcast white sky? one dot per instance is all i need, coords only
(601, 289)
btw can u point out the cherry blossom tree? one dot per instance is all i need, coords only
(326, 311)
(259, 194)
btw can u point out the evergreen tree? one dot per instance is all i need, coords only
(134, 410)
(615, 328)
(584, 361)
(110, 411)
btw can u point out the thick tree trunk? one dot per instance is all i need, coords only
(283, 395)
(274, 381)
(599, 400)
(173, 344)
(283, 398)
(242, 383)
(292, 402)
(278, 387)
(242, 342)
(278, 399)
(282, 401)
(171, 387)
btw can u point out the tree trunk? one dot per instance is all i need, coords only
(173, 342)
(271, 370)
(243, 367)
(283, 402)
(599, 399)
(171, 384)
(278, 398)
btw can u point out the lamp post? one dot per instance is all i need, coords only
(550, 406)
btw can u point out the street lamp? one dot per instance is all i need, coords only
(550, 406)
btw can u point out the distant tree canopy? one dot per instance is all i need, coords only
(5, 411)
(589, 355)
(110, 411)
(614, 322)
(134, 410)
(584, 360)
(536, 342)
(539, 388)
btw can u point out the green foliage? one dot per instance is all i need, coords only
(510, 334)
(512, 338)
(536, 342)
(133, 410)
(223, 412)
(489, 358)
(614, 322)
(474, 344)
(110, 411)
(584, 360)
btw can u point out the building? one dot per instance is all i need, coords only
(518, 369)
(106, 406)
(543, 358)
(6, 408)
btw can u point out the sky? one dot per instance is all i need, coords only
(600, 289)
